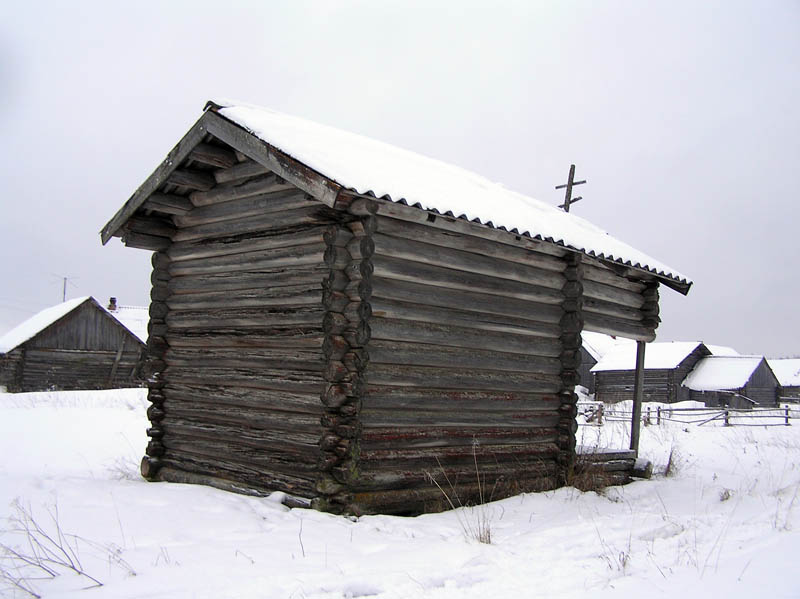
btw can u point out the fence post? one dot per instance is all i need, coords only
(600, 411)
(787, 415)
(727, 422)
(658, 415)
(647, 417)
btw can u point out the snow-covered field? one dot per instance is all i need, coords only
(725, 522)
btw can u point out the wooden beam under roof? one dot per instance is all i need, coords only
(159, 176)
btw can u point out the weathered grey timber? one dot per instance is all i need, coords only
(759, 386)
(350, 350)
(87, 348)
(659, 384)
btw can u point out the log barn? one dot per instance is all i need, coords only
(665, 369)
(787, 371)
(73, 345)
(343, 320)
(733, 381)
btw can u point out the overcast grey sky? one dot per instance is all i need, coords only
(683, 116)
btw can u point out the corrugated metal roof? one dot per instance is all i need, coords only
(376, 169)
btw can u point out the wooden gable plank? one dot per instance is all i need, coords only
(174, 158)
(283, 165)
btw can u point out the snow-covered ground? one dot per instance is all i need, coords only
(725, 522)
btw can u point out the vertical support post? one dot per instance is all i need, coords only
(638, 393)
(786, 409)
(658, 415)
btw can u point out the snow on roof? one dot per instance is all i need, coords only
(375, 168)
(786, 370)
(36, 323)
(657, 355)
(133, 318)
(722, 372)
(599, 344)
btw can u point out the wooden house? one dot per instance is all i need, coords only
(593, 347)
(787, 371)
(734, 381)
(666, 366)
(74, 345)
(343, 320)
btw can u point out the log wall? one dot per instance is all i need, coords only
(464, 368)
(236, 363)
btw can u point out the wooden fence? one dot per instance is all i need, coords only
(592, 413)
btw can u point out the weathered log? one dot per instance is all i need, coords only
(291, 359)
(264, 203)
(239, 189)
(454, 259)
(244, 318)
(613, 326)
(191, 179)
(600, 274)
(410, 399)
(434, 377)
(168, 203)
(335, 301)
(388, 308)
(422, 332)
(255, 400)
(416, 272)
(462, 299)
(213, 155)
(276, 337)
(338, 235)
(229, 477)
(335, 347)
(612, 309)
(145, 242)
(616, 295)
(309, 215)
(231, 282)
(292, 425)
(548, 260)
(300, 382)
(291, 295)
(243, 170)
(240, 244)
(336, 258)
(391, 437)
(407, 354)
(297, 255)
(364, 226)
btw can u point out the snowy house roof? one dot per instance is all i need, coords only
(133, 318)
(722, 372)
(599, 344)
(665, 355)
(130, 318)
(36, 323)
(786, 370)
(357, 164)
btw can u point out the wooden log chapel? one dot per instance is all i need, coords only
(342, 320)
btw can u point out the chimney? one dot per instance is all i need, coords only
(112, 304)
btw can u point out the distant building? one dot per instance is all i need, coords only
(74, 345)
(787, 371)
(735, 381)
(666, 366)
(594, 346)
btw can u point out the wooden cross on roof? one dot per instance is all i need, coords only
(568, 199)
